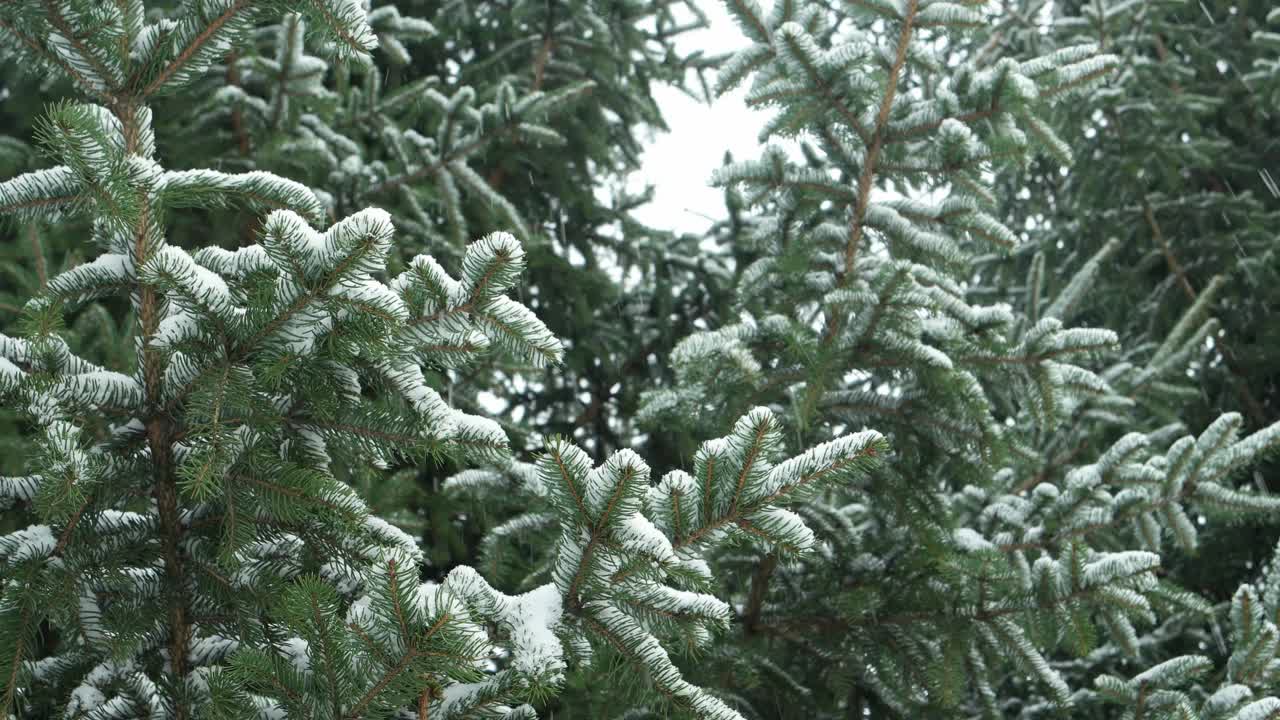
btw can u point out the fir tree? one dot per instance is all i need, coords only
(250, 313)
(467, 119)
(1176, 153)
(192, 549)
(1011, 527)
(1168, 209)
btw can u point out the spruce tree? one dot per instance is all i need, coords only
(1016, 524)
(189, 548)
(467, 119)
(1169, 209)
(1178, 152)
(250, 312)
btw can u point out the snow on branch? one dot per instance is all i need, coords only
(257, 190)
(183, 51)
(452, 322)
(108, 274)
(44, 195)
(98, 389)
(194, 288)
(625, 547)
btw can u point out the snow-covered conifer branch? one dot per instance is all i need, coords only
(614, 568)
(1167, 686)
(108, 274)
(258, 190)
(177, 52)
(41, 195)
(98, 389)
(182, 51)
(194, 288)
(629, 638)
(452, 322)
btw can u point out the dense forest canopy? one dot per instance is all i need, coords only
(340, 379)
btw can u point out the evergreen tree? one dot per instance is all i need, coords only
(1177, 153)
(1180, 147)
(498, 118)
(1033, 491)
(1170, 210)
(469, 118)
(249, 308)
(192, 551)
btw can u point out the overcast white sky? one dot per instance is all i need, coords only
(679, 163)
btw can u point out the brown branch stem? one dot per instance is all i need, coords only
(1252, 406)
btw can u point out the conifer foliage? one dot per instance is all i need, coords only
(918, 481)
(1016, 521)
(195, 554)
(183, 500)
